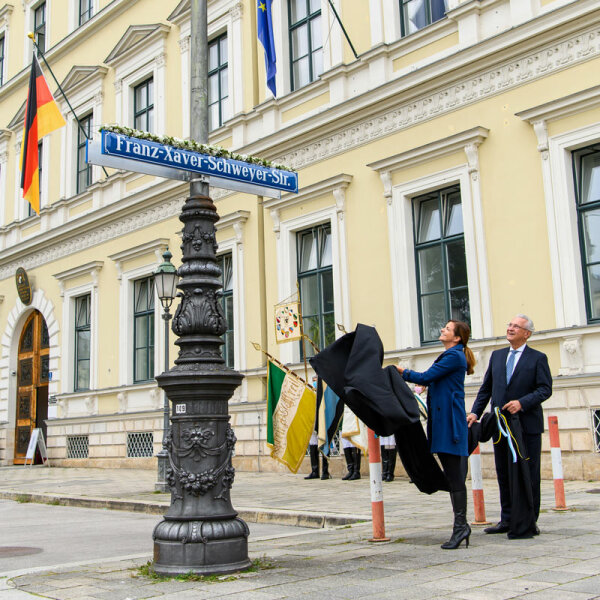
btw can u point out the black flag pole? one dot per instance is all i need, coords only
(343, 28)
(31, 36)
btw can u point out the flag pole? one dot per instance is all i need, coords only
(31, 36)
(301, 319)
(279, 364)
(335, 12)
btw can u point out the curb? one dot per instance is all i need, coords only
(251, 515)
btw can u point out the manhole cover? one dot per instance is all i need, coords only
(10, 551)
(596, 491)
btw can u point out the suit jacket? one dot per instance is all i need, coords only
(447, 420)
(530, 384)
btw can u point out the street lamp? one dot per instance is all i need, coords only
(165, 282)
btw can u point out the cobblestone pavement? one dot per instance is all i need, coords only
(563, 563)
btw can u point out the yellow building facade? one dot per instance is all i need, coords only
(450, 170)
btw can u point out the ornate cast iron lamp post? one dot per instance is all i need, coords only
(165, 282)
(200, 531)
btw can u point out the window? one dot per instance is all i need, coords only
(84, 170)
(218, 94)
(306, 56)
(39, 26)
(143, 105)
(78, 446)
(140, 444)
(1, 60)
(416, 14)
(226, 265)
(586, 171)
(143, 329)
(315, 279)
(85, 11)
(82, 342)
(440, 261)
(596, 425)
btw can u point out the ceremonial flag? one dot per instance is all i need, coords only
(287, 322)
(42, 116)
(265, 35)
(330, 410)
(291, 410)
(355, 431)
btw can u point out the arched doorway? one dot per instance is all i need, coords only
(32, 383)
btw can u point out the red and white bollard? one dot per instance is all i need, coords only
(376, 489)
(557, 470)
(477, 486)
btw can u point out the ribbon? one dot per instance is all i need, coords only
(505, 431)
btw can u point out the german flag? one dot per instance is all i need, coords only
(41, 118)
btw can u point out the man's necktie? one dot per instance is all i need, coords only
(510, 365)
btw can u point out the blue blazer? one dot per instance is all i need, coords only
(447, 420)
(530, 384)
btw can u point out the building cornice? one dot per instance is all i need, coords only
(431, 151)
(327, 186)
(239, 217)
(156, 247)
(85, 269)
(562, 107)
(5, 13)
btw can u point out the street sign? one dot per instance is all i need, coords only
(153, 158)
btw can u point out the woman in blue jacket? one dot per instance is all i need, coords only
(447, 430)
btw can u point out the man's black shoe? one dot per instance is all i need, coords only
(498, 528)
(526, 536)
(536, 530)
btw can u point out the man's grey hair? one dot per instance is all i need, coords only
(529, 324)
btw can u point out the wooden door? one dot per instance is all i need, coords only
(32, 383)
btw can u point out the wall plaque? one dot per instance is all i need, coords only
(23, 286)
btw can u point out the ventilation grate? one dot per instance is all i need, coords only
(78, 446)
(140, 444)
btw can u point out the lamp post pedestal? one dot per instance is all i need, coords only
(201, 532)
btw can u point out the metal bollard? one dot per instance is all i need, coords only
(376, 489)
(477, 486)
(557, 470)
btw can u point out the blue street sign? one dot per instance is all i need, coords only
(165, 157)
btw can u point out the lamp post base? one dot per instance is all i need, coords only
(201, 547)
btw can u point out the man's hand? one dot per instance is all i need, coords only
(513, 407)
(471, 418)
(400, 369)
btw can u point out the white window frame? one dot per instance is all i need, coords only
(91, 269)
(29, 7)
(223, 18)
(5, 135)
(136, 62)
(331, 34)
(559, 192)
(126, 295)
(74, 14)
(5, 13)
(401, 230)
(86, 98)
(287, 263)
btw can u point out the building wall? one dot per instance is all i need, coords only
(494, 98)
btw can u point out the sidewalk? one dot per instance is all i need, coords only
(336, 559)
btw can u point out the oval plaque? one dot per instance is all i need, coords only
(23, 287)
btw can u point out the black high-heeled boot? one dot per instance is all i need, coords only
(349, 454)
(356, 469)
(384, 464)
(314, 462)
(324, 468)
(461, 530)
(391, 452)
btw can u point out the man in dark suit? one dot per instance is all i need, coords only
(517, 380)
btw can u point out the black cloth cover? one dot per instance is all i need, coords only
(522, 514)
(351, 367)
(380, 398)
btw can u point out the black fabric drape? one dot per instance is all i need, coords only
(351, 367)
(522, 513)
(380, 398)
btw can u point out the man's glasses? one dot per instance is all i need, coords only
(515, 326)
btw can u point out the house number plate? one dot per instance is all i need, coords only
(180, 409)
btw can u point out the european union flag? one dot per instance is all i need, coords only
(265, 35)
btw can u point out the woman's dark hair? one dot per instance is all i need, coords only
(463, 331)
